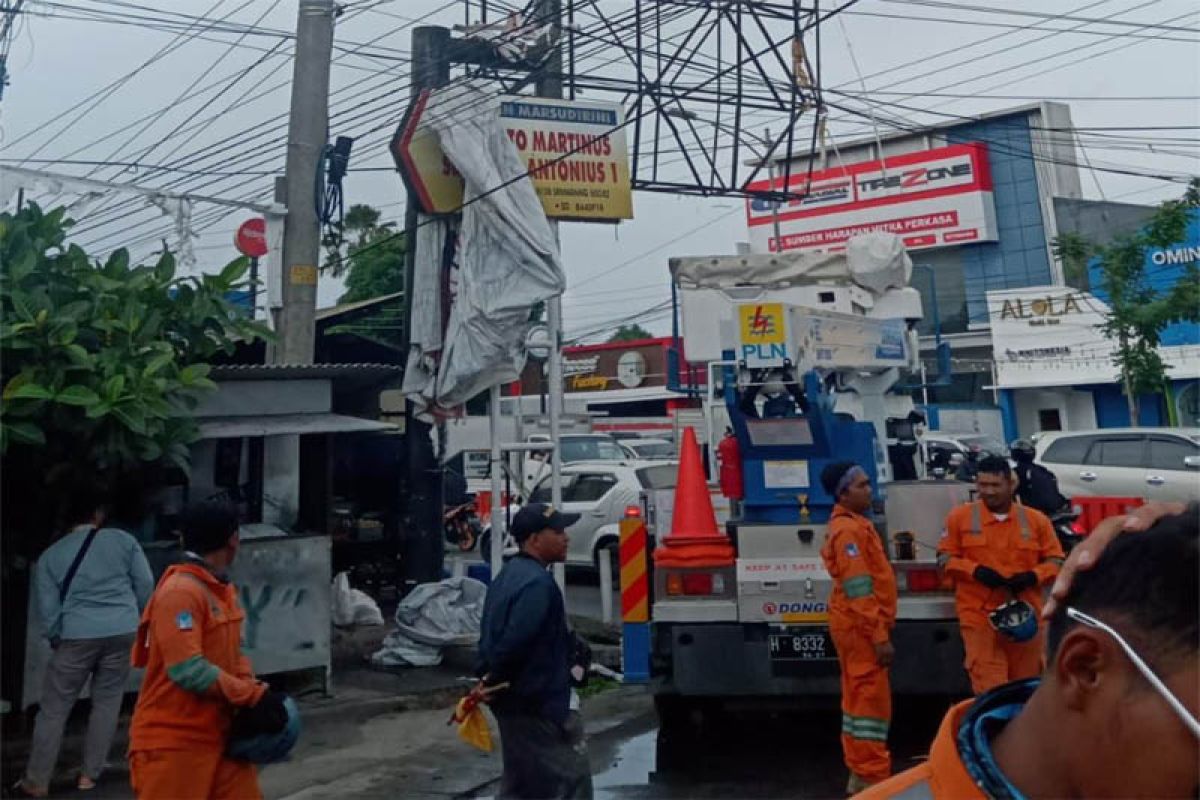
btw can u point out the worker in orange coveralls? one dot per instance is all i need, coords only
(998, 551)
(862, 612)
(197, 679)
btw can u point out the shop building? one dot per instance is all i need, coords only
(978, 202)
(634, 386)
(1055, 370)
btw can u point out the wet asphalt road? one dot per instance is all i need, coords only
(747, 754)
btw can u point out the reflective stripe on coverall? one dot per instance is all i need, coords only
(862, 612)
(189, 642)
(1023, 542)
(961, 763)
(943, 776)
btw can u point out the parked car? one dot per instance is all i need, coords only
(1154, 463)
(647, 449)
(600, 492)
(573, 447)
(940, 446)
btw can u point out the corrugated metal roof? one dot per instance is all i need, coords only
(283, 372)
(280, 424)
(345, 308)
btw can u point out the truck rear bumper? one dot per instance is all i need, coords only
(733, 660)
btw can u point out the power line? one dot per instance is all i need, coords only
(1164, 26)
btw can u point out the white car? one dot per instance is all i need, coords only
(600, 492)
(647, 449)
(573, 447)
(1154, 463)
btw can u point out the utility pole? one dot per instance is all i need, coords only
(308, 131)
(549, 84)
(421, 555)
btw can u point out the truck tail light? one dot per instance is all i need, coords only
(923, 580)
(695, 584)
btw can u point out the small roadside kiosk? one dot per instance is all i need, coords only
(269, 442)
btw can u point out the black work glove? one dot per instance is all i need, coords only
(1022, 581)
(989, 577)
(268, 715)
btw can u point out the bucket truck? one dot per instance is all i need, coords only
(805, 351)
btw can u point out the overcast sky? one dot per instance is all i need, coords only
(57, 62)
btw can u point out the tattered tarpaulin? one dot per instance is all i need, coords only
(433, 616)
(507, 254)
(420, 375)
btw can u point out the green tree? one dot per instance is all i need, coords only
(629, 333)
(379, 268)
(100, 362)
(1139, 312)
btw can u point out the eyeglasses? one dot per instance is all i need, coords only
(1191, 722)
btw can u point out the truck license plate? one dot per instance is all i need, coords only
(813, 644)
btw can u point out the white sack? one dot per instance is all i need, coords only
(352, 606)
(878, 261)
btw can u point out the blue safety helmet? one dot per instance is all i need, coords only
(268, 748)
(1015, 620)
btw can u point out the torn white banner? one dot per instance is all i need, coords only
(507, 254)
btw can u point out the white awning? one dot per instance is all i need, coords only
(281, 424)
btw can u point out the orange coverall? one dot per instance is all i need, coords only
(189, 642)
(942, 777)
(862, 612)
(1023, 542)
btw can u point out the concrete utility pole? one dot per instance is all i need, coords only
(422, 555)
(308, 131)
(549, 84)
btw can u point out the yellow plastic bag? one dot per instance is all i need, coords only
(472, 725)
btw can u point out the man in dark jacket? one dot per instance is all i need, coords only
(525, 642)
(1038, 487)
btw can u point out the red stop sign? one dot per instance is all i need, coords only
(251, 238)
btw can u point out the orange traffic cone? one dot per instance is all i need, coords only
(694, 540)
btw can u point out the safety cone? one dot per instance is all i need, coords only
(694, 540)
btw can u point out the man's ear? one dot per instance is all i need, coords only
(1083, 667)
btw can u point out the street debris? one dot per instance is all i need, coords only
(352, 607)
(433, 616)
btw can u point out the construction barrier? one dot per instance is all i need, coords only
(1091, 510)
(635, 601)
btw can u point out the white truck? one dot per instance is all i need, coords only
(825, 338)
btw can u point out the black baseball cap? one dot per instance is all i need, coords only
(535, 517)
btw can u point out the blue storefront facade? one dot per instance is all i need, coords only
(1179, 403)
(1055, 368)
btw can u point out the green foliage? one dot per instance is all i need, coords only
(1139, 312)
(101, 362)
(376, 271)
(630, 333)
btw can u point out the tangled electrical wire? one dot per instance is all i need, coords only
(328, 197)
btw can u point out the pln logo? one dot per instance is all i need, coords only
(762, 325)
(763, 333)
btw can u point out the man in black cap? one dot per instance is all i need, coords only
(525, 642)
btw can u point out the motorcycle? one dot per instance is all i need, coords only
(1066, 531)
(461, 526)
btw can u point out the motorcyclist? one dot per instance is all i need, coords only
(965, 467)
(1038, 487)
